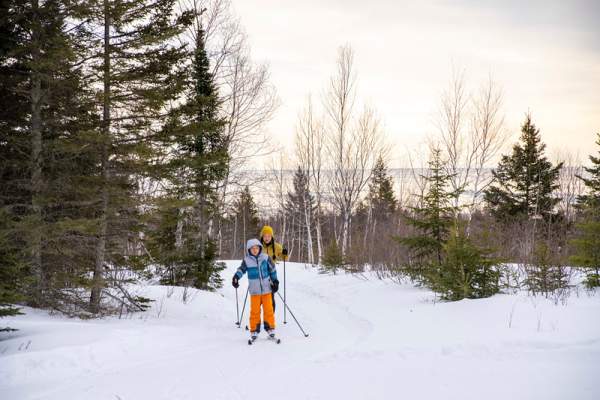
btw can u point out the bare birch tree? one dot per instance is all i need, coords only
(353, 143)
(309, 146)
(451, 123)
(471, 132)
(488, 135)
(570, 185)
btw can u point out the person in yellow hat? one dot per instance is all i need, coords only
(273, 249)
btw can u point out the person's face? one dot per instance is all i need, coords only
(267, 237)
(254, 250)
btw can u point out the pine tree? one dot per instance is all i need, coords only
(138, 63)
(12, 272)
(592, 182)
(333, 259)
(375, 219)
(433, 218)
(467, 270)
(244, 221)
(381, 198)
(524, 182)
(587, 240)
(198, 163)
(46, 153)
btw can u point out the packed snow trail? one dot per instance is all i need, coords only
(368, 339)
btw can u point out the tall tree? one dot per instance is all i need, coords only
(138, 62)
(433, 217)
(524, 181)
(47, 155)
(300, 207)
(244, 220)
(381, 198)
(378, 215)
(198, 159)
(353, 143)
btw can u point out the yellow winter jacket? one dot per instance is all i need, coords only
(274, 250)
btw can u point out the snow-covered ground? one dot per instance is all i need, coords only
(369, 339)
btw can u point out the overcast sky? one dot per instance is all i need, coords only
(544, 54)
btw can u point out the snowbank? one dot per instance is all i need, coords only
(368, 339)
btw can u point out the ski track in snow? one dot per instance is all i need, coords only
(368, 339)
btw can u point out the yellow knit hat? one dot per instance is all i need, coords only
(266, 229)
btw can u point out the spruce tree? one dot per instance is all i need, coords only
(136, 64)
(197, 164)
(244, 222)
(586, 243)
(381, 198)
(46, 153)
(592, 182)
(12, 271)
(333, 259)
(375, 219)
(467, 271)
(433, 217)
(524, 182)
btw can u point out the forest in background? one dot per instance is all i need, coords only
(126, 132)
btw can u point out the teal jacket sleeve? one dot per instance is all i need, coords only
(272, 270)
(241, 270)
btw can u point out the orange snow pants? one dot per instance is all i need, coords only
(266, 300)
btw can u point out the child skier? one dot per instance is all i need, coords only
(262, 282)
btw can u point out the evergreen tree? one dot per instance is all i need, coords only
(433, 218)
(467, 271)
(138, 67)
(244, 221)
(381, 198)
(375, 219)
(447, 261)
(587, 240)
(524, 182)
(591, 199)
(12, 272)
(46, 160)
(198, 163)
(333, 259)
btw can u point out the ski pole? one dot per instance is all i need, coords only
(284, 296)
(239, 324)
(237, 307)
(292, 314)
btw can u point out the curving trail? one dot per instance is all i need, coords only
(369, 339)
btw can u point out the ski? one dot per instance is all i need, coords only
(272, 339)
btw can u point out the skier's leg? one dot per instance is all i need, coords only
(255, 301)
(269, 315)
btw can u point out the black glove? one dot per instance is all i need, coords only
(275, 286)
(234, 282)
(284, 251)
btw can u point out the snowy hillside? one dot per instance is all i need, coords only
(369, 339)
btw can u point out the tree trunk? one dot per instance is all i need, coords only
(36, 187)
(319, 239)
(98, 281)
(309, 243)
